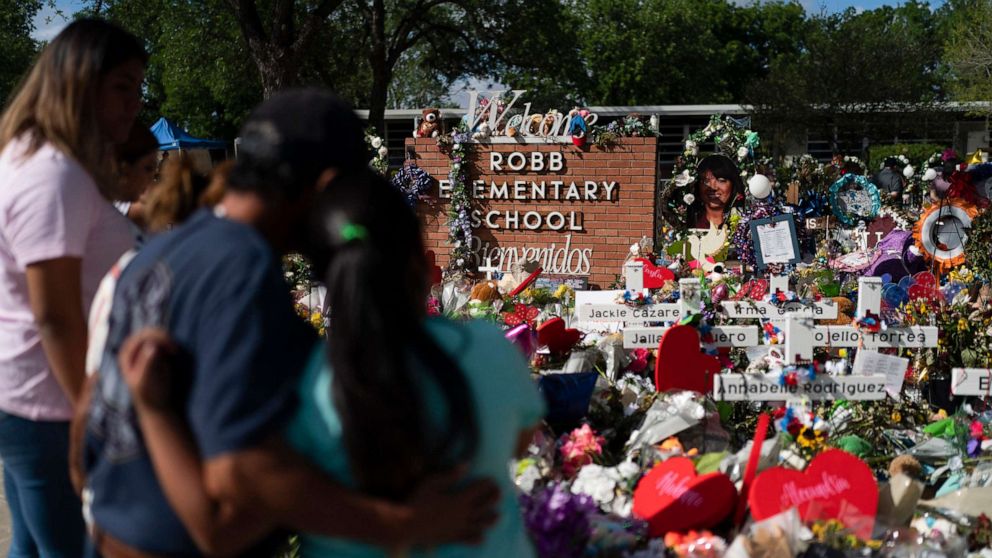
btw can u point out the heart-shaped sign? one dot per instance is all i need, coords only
(672, 497)
(836, 485)
(680, 365)
(556, 337)
(654, 276)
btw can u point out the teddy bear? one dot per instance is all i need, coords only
(484, 132)
(485, 291)
(533, 126)
(430, 124)
(548, 125)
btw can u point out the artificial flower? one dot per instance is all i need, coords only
(688, 199)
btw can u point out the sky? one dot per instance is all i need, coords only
(47, 24)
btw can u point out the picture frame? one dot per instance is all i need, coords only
(773, 244)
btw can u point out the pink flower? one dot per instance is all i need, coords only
(579, 448)
(977, 431)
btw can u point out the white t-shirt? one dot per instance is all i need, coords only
(50, 208)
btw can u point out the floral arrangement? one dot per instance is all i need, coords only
(380, 153)
(460, 208)
(413, 181)
(732, 138)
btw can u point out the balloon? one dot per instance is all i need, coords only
(525, 339)
(926, 279)
(759, 186)
(894, 296)
(906, 282)
(719, 293)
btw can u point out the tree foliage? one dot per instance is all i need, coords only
(19, 49)
(969, 51)
(860, 75)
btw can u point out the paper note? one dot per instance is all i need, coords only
(871, 363)
(775, 240)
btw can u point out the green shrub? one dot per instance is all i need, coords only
(917, 153)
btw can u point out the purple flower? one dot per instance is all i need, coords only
(558, 521)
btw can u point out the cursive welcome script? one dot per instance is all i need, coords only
(829, 487)
(670, 484)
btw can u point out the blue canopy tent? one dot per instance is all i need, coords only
(170, 136)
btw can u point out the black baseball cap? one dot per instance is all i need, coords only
(291, 138)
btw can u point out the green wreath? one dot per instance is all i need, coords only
(733, 138)
(977, 249)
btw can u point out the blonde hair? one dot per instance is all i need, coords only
(56, 102)
(181, 191)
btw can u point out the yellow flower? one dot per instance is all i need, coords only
(896, 416)
(962, 324)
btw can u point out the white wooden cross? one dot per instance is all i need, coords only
(971, 381)
(802, 335)
(488, 269)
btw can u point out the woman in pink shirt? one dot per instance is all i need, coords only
(59, 234)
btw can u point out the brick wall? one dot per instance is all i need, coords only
(608, 227)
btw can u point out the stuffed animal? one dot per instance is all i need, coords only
(548, 125)
(486, 291)
(483, 133)
(577, 127)
(533, 126)
(430, 125)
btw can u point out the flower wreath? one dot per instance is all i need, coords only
(854, 197)
(413, 182)
(732, 137)
(917, 182)
(927, 227)
(977, 248)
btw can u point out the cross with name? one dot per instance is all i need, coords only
(801, 336)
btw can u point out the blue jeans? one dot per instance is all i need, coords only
(45, 513)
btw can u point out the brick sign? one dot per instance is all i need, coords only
(574, 210)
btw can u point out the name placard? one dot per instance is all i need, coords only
(750, 387)
(629, 314)
(825, 309)
(726, 336)
(846, 336)
(971, 381)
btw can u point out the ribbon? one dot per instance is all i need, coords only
(752, 466)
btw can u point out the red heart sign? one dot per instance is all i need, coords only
(680, 365)
(556, 337)
(836, 485)
(671, 497)
(654, 276)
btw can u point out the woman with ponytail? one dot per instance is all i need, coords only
(394, 397)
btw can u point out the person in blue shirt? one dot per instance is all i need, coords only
(216, 444)
(392, 398)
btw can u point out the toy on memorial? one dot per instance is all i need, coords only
(431, 125)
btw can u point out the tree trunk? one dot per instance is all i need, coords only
(381, 70)
(277, 69)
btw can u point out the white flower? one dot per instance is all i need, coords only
(289, 275)
(528, 477)
(683, 179)
(456, 146)
(383, 151)
(635, 249)
(594, 481)
(460, 261)
(692, 147)
(688, 199)
(742, 153)
(376, 142)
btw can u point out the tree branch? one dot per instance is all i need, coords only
(413, 18)
(313, 21)
(246, 13)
